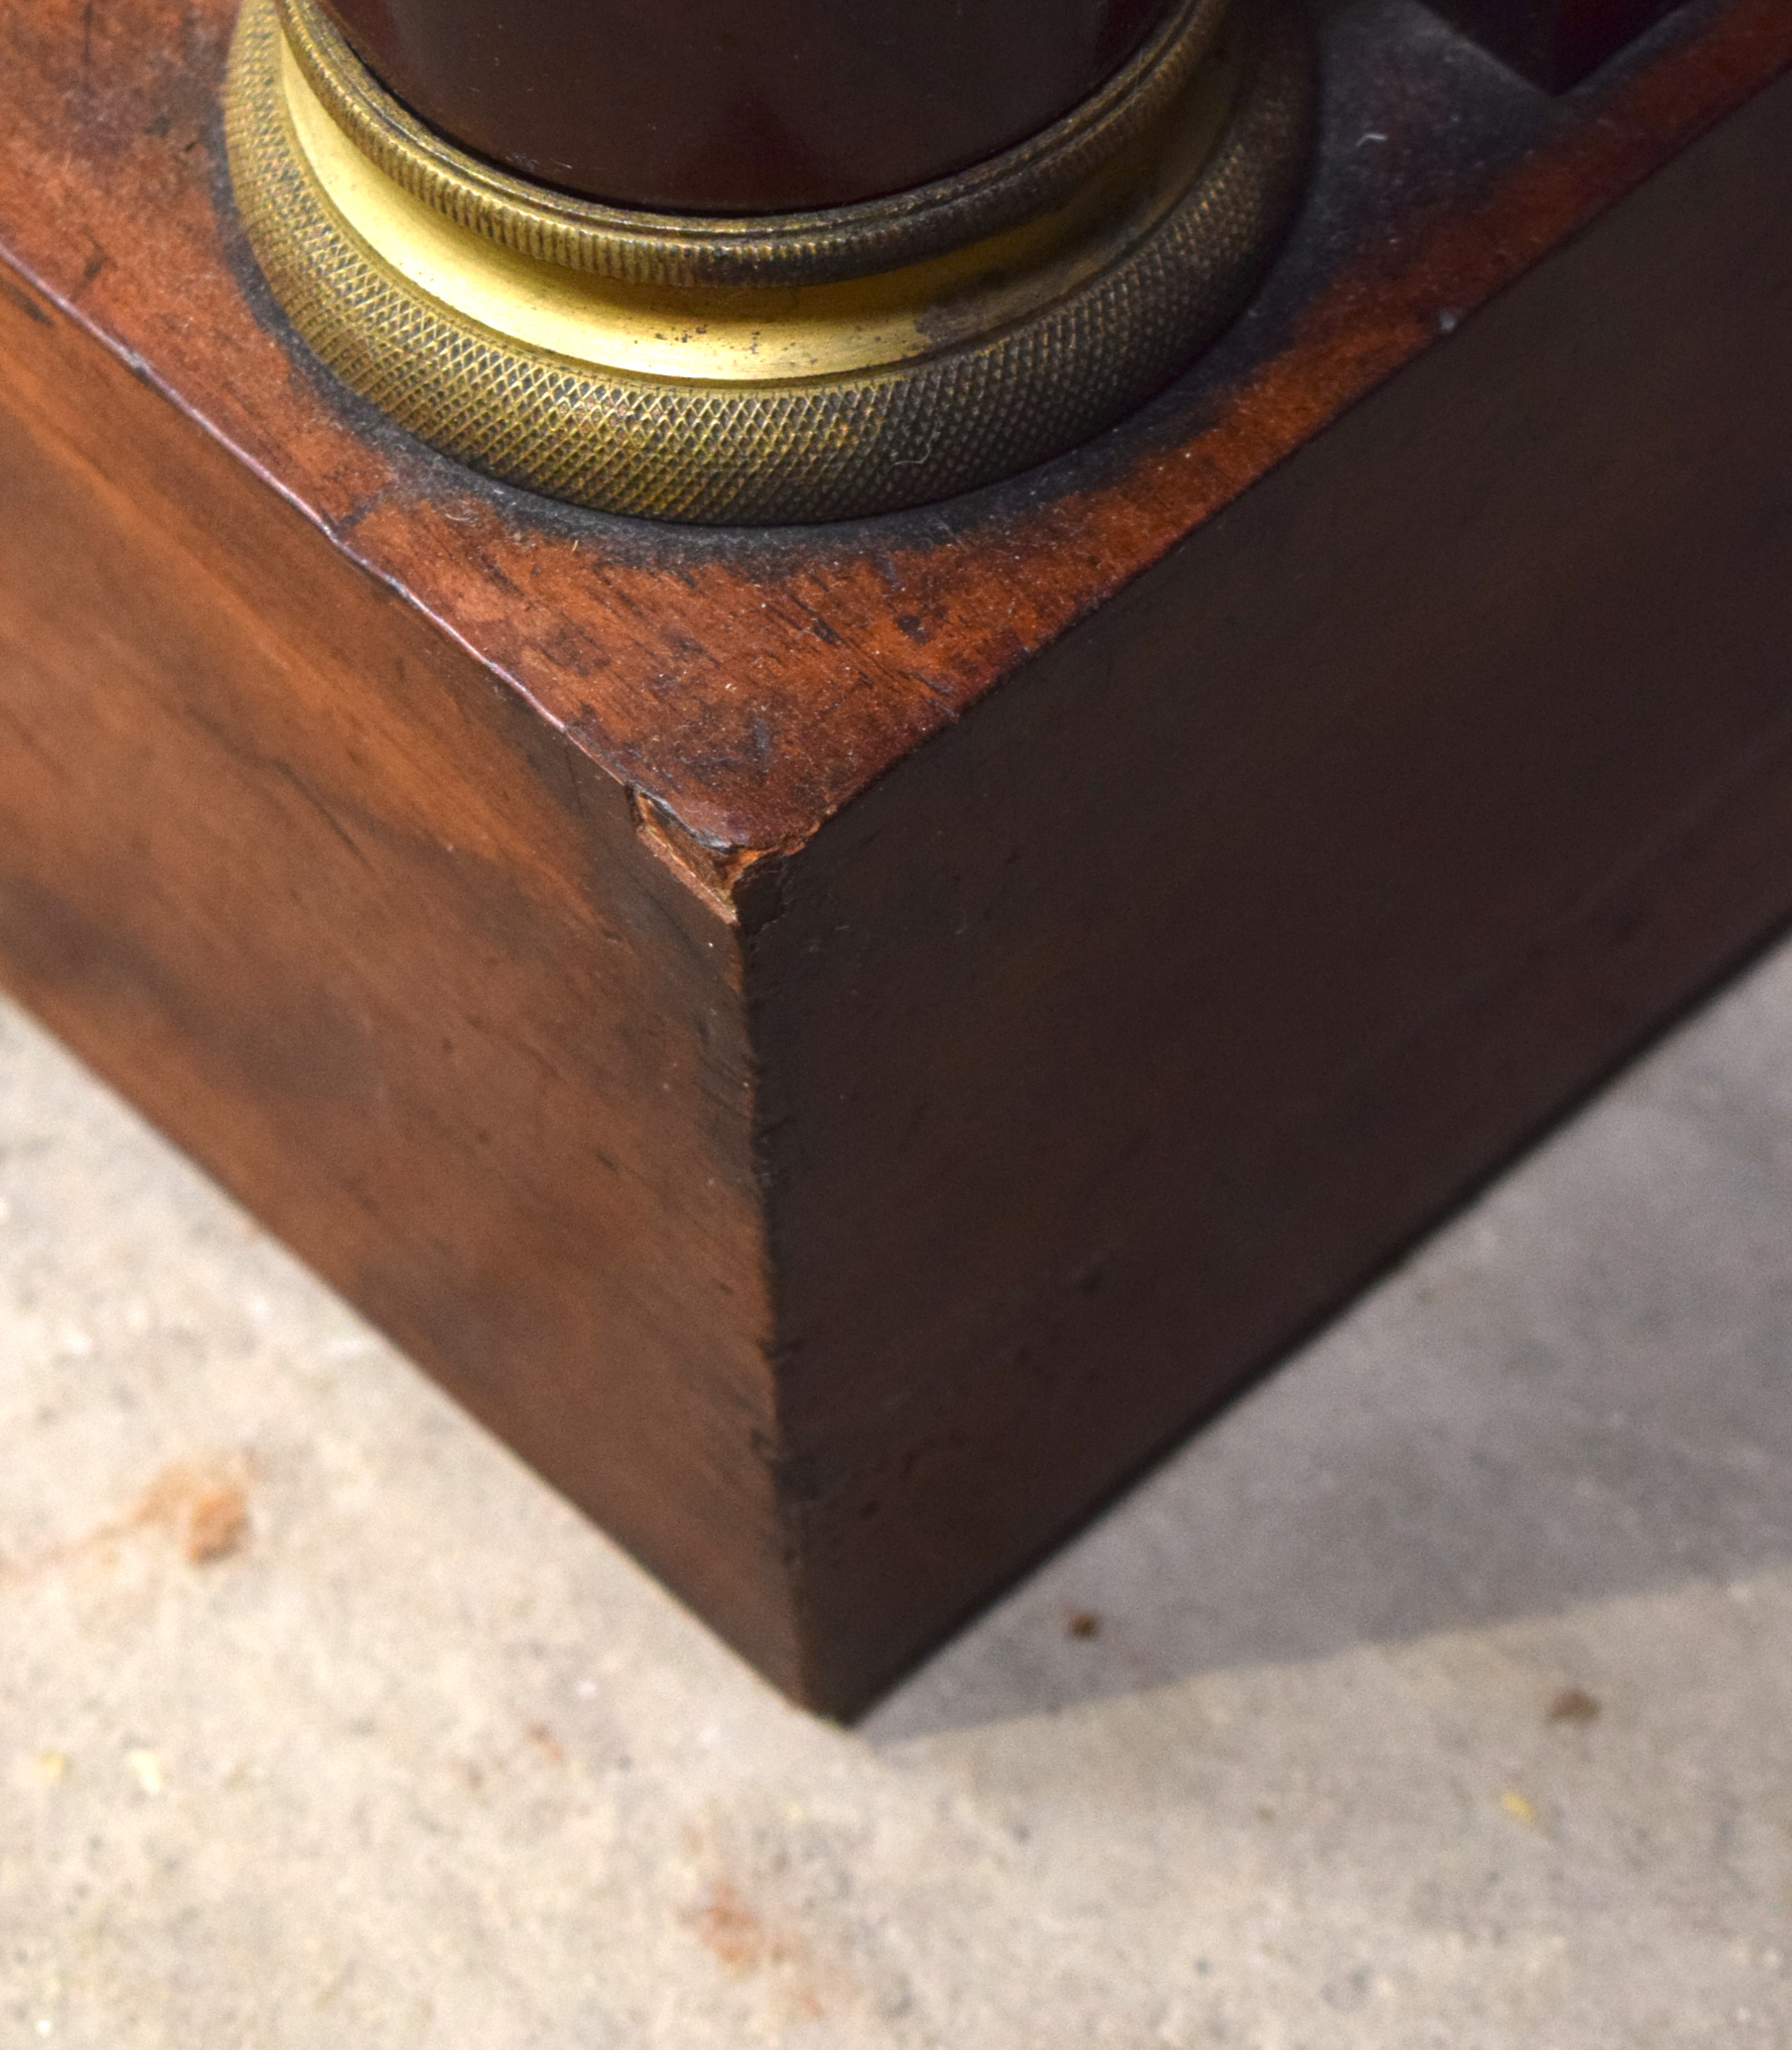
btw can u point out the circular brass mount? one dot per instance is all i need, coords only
(779, 368)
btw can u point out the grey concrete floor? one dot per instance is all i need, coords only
(1440, 1695)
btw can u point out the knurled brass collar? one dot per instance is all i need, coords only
(780, 368)
(792, 248)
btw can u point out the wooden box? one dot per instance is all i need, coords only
(839, 1044)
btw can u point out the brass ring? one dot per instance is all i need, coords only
(921, 382)
(806, 248)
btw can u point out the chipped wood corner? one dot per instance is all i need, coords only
(740, 882)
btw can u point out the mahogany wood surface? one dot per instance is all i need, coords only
(839, 1044)
(381, 947)
(713, 105)
(1319, 870)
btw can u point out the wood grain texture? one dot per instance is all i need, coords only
(753, 684)
(388, 955)
(839, 1043)
(1319, 871)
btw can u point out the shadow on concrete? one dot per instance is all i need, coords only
(1579, 1388)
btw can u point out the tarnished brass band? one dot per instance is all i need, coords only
(778, 402)
(771, 332)
(790, 248)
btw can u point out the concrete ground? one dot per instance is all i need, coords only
(1440, 1695)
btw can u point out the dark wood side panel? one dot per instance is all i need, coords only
(1276, 905)
(354, 925)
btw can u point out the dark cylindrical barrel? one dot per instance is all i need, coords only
(742, 106)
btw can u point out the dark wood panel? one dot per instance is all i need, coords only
(1162, 1001)
(367, 937)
